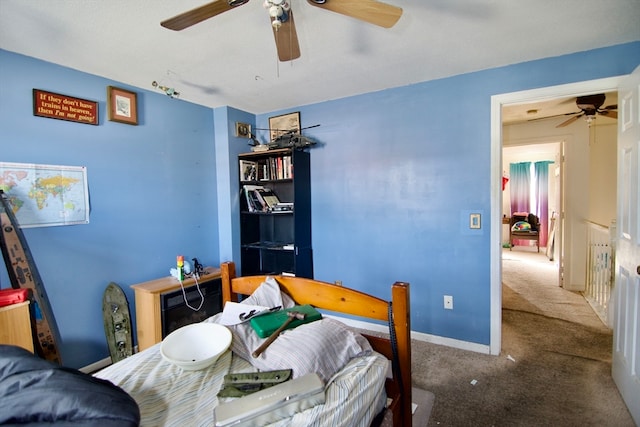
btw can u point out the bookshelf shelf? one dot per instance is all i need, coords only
(275, 241)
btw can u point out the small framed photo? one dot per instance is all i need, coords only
(286, 123)
(122, 105)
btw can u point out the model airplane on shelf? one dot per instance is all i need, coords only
(287, 139)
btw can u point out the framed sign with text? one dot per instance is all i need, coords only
(63, 107)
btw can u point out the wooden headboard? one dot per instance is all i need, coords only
(339, 299)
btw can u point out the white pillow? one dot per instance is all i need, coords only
(324, 346)
(268, 294)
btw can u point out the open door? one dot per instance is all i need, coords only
(626, 293)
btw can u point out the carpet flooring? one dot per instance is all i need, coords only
(554, 368)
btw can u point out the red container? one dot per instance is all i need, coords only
(13, 296)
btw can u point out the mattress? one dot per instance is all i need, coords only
(169, 396)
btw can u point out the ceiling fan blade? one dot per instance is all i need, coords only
(554, 116)
(199, 14)
(371, 11)
(609, 113)
(571, 120)
(287, 40)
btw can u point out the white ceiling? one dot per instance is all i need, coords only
(231, 59)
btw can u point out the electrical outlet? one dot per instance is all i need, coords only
(448, 302)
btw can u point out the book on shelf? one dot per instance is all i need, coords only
(270, 169)
(283, 207)
(248, 170)
(259, 198)
(253, 203)
(258, 205)
(268, 196)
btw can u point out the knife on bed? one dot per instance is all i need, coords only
(246, 316)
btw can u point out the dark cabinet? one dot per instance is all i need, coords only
(275, 235)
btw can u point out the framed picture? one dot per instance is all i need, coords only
(285, 123)
(122, 105)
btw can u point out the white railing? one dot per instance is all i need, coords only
(600, 261)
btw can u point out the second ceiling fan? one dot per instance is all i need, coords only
(589, 106)
(281, 15)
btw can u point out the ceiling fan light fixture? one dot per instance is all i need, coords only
(275, 11)
(276, 24)
(589, 119)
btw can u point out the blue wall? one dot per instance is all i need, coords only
(397, 173)
(394, 177)
(152, 190)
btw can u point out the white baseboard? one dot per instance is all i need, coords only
(419, 336)
(96, 366)
(100, 364)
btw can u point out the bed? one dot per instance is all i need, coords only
(370, 388)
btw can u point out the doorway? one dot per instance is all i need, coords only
(497, 102)
(528, 270)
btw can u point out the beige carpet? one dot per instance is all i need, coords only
(530, 284)
(554, 369)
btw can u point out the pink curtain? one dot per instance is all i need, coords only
(541, 179)
(520, 183)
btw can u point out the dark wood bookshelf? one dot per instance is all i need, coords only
(276, 242)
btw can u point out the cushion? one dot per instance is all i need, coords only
(521, 226)
(268, 294)
(324, 346)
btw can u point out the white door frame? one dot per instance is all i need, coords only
(497, 101)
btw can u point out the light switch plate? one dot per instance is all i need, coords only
(474, 221)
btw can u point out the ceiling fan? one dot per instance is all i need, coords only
(589, 106)
(281, 15)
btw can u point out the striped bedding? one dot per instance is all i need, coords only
(169, 396)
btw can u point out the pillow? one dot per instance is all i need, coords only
(521, 226)
(324, 346)
(268, 294)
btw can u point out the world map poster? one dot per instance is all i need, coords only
(46, 195)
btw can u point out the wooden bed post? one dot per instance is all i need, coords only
(400, 299)
(228, 272)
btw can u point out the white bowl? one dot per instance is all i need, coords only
(196, 346)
